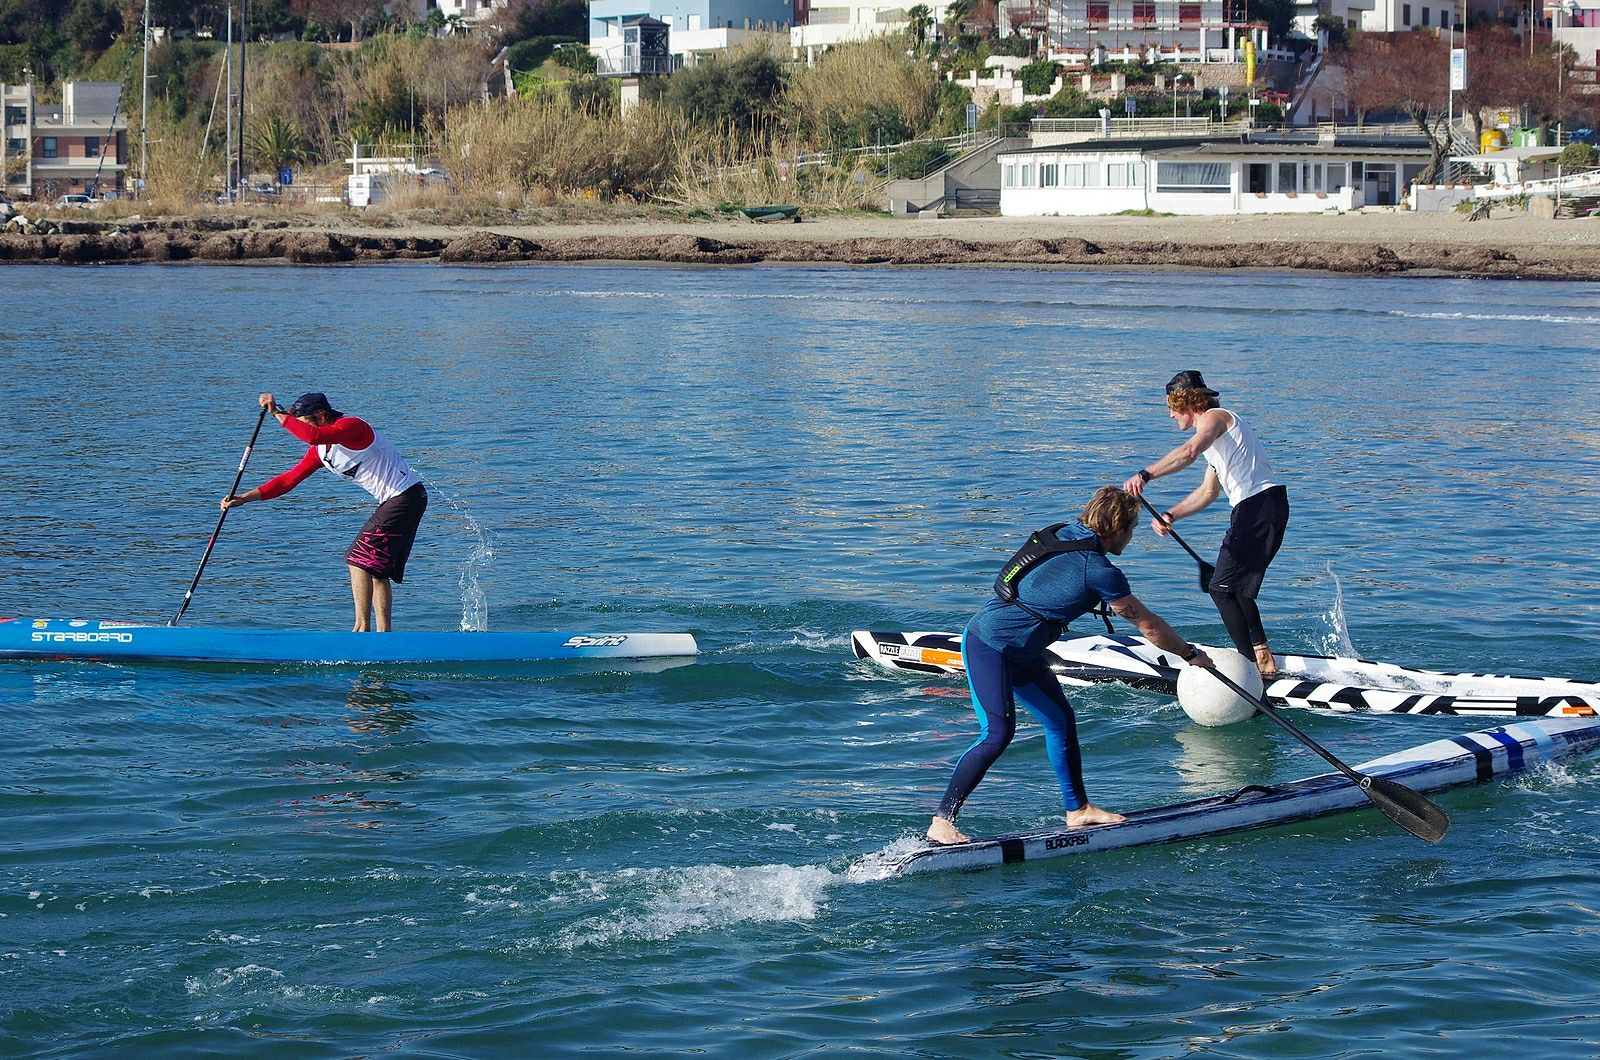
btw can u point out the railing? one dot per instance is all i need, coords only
(1125, 127)
(631, 64)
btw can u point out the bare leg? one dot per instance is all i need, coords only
(1090, 814)
(1265, 662)
(946, 832)
(361, 591)
(382, 596)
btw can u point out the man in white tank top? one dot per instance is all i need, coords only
(1236, 465)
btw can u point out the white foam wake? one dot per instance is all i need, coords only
(656, 904)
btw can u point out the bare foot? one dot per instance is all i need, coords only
(1265, 662)
(1090, 815)
(945, 833)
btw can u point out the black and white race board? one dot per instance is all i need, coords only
(1316, 682)
(1471, 758)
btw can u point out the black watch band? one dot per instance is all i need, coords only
(1145, 475)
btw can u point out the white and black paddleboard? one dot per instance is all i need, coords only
(1313, 682)
(1471, 758)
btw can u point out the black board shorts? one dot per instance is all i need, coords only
(1255, 533)
(384, 543)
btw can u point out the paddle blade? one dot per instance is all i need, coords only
(1206, 571)
(1406, 808)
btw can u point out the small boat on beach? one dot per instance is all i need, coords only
(1312, 682)
(767, 214)
(1471, 758)
(83, 639)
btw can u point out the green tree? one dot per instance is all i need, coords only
(955, 13)
(279, 141)
(742, 93)
(1336, 29)
(576, 57)
(919, 19)
(1037, 77)
(1578, 156)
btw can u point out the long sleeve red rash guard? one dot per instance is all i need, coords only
(348, 431)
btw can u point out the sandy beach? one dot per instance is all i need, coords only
(1506, 245)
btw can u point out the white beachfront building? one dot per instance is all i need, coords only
(1098, 31)
(1191, 176)
(695, 29)
(821, 24)
(1576, 23)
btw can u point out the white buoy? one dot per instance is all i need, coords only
(1210, 702)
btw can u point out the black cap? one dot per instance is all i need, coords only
(1189, 380)
(310, 404)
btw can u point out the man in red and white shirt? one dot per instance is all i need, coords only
(348, 446)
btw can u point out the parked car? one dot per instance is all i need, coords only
(78, 199)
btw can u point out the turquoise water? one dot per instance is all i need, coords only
(330, 863)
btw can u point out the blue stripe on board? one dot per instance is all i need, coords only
(1512, 745)
(1480, 756)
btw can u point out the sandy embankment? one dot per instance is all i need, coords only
(1375, 242)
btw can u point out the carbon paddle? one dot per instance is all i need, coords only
(1411, 811)
(1206, 569)
(237, 478)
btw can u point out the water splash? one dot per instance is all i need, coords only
(474, 604)
(1337, 640)
(658, 904)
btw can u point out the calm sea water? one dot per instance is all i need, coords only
(305, 862)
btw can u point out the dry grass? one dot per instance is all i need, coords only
(181, 171)
(711, 174)
(519, 149)
(854, 79)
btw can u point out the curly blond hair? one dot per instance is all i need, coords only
(1110, 511)
(1191, 401)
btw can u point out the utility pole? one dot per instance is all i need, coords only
(227, 70)
(144, 110)
(244, 36)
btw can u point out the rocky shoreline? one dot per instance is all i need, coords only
(245, 240)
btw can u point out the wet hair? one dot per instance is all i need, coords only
(1192, 401)
(1111, 512)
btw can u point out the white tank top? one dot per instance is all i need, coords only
(379, 468)
(1239, 461)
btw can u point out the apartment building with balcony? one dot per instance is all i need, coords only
(77, 146)
(695, 29)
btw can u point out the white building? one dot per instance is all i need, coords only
(1576, 23)
(1099, 31)
(694, 29)
(1397, 16)
(1191, 176)
(77, 146)
(470, 11)
(830, 22)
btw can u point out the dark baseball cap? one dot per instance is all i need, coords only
(1189, 380)
(310, 404)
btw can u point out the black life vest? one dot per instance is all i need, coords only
(1042, 545)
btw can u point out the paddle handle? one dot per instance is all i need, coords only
(1171, 532)
(222, 518)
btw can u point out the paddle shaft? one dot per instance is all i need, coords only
(1206, 569)
(1406, 808)
(237, 478)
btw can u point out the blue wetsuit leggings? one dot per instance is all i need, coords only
(997, 683)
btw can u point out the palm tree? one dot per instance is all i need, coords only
(920, 18)
(280, 142)
(955, 13)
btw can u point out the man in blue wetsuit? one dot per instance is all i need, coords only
(1004, 652)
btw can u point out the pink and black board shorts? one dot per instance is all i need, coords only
(384, 543)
